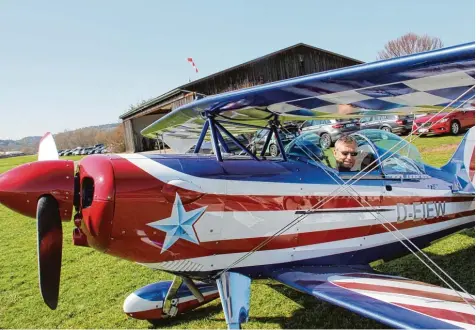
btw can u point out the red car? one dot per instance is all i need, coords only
(453, 123)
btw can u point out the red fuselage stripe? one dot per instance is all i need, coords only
(316, 237)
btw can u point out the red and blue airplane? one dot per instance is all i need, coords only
(219, 221)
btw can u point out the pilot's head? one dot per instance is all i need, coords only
(345, 152)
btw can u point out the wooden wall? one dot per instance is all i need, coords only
(129, 136)
(292, 63)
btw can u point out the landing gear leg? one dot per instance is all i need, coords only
(170, 304)
(234, 292)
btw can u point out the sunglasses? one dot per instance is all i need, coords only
(345, 153)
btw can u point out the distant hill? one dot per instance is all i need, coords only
(19, 145)
(104, 127)
(29, 144)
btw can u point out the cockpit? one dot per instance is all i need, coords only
(378, 151)
(395, 155)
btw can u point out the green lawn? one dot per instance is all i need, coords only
(94, 285)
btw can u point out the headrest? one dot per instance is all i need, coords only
(365, 152)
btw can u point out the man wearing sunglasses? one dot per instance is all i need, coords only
(345, 153)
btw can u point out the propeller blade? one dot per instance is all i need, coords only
(47, 148)
(50, 244)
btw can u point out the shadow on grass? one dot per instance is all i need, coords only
(467, 232)
(461, 133)
(317, 314)
(193, 315)
(459, 265)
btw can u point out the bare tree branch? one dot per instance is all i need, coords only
(410, 43)
(84, 137)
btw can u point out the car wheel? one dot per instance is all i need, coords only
(386, 129)
(273, 150)
(455, 127)
(325, 141)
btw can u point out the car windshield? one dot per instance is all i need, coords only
(396, 154)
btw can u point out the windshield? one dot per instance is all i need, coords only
(305, 147)
(397, 155)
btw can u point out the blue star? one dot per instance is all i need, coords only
(179, 224)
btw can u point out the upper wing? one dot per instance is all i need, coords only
(396, 301)
(426, 81)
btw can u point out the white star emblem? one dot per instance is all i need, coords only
(179, 224)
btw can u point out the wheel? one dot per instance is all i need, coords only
(386, 129)
(325, 141)
(455, 127)
(273, 150)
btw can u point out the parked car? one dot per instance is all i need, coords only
(443, 123)
(232, 147)
(286, 134)
(330, 130)
(99, 150)
(207, 147)
(86, 151)
(398, 124)
(71, 152)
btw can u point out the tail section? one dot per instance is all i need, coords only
(462, 165)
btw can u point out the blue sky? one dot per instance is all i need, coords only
(66, 65)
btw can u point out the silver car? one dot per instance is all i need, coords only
(398, 124)
(329, 130)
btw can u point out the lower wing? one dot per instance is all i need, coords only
(396, 301)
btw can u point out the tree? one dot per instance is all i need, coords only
(89, 136)
(115, 139)
(410, 43)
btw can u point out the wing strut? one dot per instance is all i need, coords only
(202, 137)
(274, 127)
(266, 143)
(238, 143)
(235, 292)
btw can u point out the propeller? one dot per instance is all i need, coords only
(50, 233)
(50, 244)
(40, 181)
(47, 149)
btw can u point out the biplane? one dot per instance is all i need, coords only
(218, 221)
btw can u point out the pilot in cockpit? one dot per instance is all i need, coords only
(345, 153)
(351, 157)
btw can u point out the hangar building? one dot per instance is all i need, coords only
(298, 60)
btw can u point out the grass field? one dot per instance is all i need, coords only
(94, 285)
